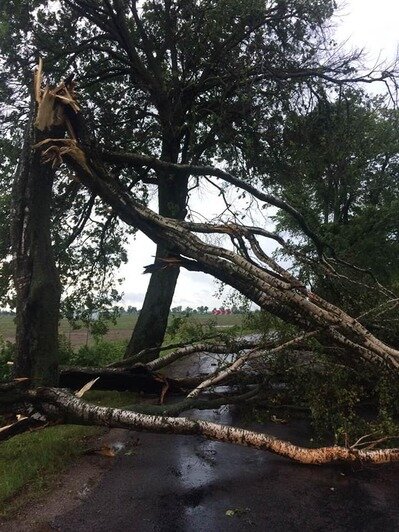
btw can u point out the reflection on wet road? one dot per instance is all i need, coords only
(185, 483)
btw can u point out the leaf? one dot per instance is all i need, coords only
(86, 387)
(105, 450)
(230, 513)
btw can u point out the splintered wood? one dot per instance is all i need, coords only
(58, 148)
(53, 107)
(51, 103)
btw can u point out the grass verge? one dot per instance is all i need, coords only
(31, 462)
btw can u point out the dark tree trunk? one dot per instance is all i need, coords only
(153, 319)
(35, 274)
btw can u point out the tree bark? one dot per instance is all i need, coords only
(151, 325)
(35, 274)
(62, 405)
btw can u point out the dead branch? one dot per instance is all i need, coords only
(19, 427)
(223, 374)
(200, 348)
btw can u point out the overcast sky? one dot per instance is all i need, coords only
(367, 24)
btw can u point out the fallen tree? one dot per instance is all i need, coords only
(63, 406)
(263, 281)
(248, 269)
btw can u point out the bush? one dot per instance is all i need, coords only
(344, 404)
(6, 356)
(188, 329)
(99, 354)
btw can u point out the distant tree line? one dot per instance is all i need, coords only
(201, 309)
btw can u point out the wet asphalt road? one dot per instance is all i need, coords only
(184, 483)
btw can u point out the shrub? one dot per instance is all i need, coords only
(188, 329)
(6, 356)
(99, 354)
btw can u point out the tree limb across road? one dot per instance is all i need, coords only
(62, 405)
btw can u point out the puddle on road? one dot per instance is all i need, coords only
(187, 483)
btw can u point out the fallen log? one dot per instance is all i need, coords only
(74, 410)
(135, 379)
(61, 406)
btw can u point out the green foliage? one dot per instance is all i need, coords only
(99, 354)
(338, 164)
(197, 81)
(271, 327)
(343, 403)
(189, 329)
(6, 357)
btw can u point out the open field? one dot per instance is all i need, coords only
(120, 331)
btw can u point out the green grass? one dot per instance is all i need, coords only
(31, 462)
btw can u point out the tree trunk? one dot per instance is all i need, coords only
(137, 379)
(35, 274)
(63, 406)
(153, 319)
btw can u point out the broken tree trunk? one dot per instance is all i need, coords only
(135, 379)
(34, 271)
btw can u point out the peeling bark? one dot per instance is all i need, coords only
(74, 410)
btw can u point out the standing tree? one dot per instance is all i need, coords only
(346, 154)
(35, 274)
